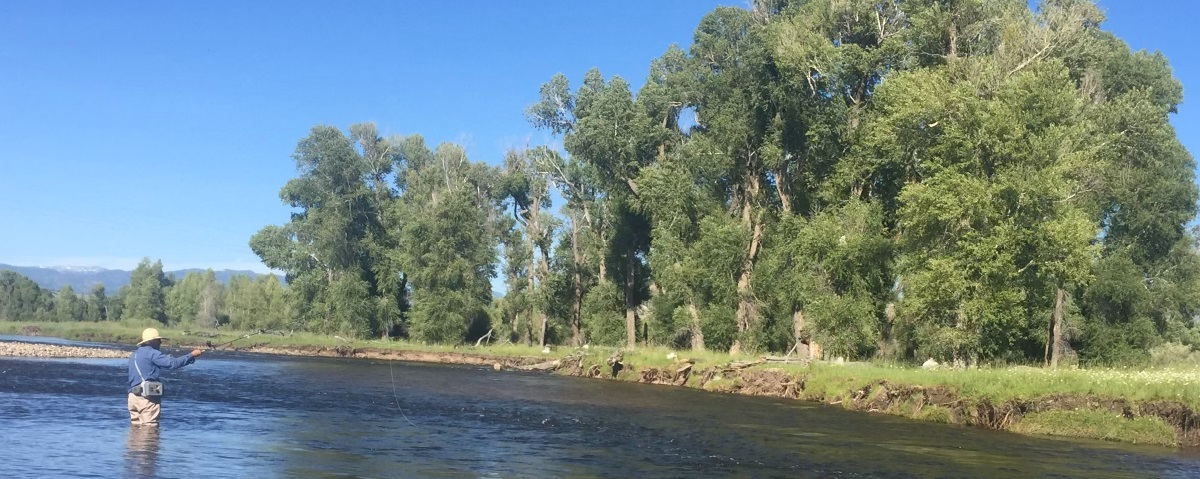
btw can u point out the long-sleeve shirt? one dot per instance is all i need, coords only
(152, 361)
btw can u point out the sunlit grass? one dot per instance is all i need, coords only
(1097, 425)
(1000, 384)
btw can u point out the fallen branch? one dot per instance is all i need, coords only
(487, 336)
(785, 359)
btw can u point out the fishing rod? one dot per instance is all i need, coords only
(231, 341)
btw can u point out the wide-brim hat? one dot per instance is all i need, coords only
(150, 334)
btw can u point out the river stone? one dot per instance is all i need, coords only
(42, 350)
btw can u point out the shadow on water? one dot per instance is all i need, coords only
(244, 415)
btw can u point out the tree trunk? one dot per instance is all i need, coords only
(1056, 338)
(785, 199)
(697, 333)
(952, 51)
(545, 272)
(746, 310)
(603, 271)
(798, 327)
(577, 299)
(532, 274)
(630, 311)
(752, 222)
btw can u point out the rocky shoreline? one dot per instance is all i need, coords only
(43, 350)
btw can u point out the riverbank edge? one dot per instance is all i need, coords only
(1159, 422)
(1162, 422)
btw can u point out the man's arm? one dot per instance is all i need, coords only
(161, 360)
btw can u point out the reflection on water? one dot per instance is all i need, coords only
(141, 451)
(241, 415)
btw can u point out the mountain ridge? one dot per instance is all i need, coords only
(82, 278)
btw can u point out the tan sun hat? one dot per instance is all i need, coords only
(148, 335)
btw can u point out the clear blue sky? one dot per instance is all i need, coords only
(165, 129)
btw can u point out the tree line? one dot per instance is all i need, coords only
(969, 180)
(197, 299)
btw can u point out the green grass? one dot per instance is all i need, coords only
(1000, 384)
(932, 413)
(1097, 425)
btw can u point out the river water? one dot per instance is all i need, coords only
(262, 416)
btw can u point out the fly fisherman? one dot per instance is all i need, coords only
(145, 390)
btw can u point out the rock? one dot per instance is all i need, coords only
(929, 364)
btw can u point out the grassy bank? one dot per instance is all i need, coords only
(1136, 406)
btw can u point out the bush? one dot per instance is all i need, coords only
(1173, 354)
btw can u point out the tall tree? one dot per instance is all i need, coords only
(330, 249)
(145, 295)
(527, 188)
(21, 299)
(449, 243)
(98, 304)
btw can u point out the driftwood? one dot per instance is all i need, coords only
(736, 365)
(785, 359)
(552, 364)
(542, 366)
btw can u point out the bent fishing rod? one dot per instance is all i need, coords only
(211, 346)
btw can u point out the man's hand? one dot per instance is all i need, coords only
(197, 352)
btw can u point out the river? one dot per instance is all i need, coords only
(261, 416)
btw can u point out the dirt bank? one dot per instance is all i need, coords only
(926, 403)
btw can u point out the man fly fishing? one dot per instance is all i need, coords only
(145, 389)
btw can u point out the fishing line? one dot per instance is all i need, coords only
(396, 396)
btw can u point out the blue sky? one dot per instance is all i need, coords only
(165, 129)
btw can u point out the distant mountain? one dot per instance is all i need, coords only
(81, 279)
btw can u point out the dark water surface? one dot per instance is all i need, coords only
(260, 416)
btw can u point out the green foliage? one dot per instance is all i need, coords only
(196, 299)
(145, 295)
(336, 250)
(901, 179)
(603, 319)
(21, 299)
(831, 272)
(449, 246)
(259, 303)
